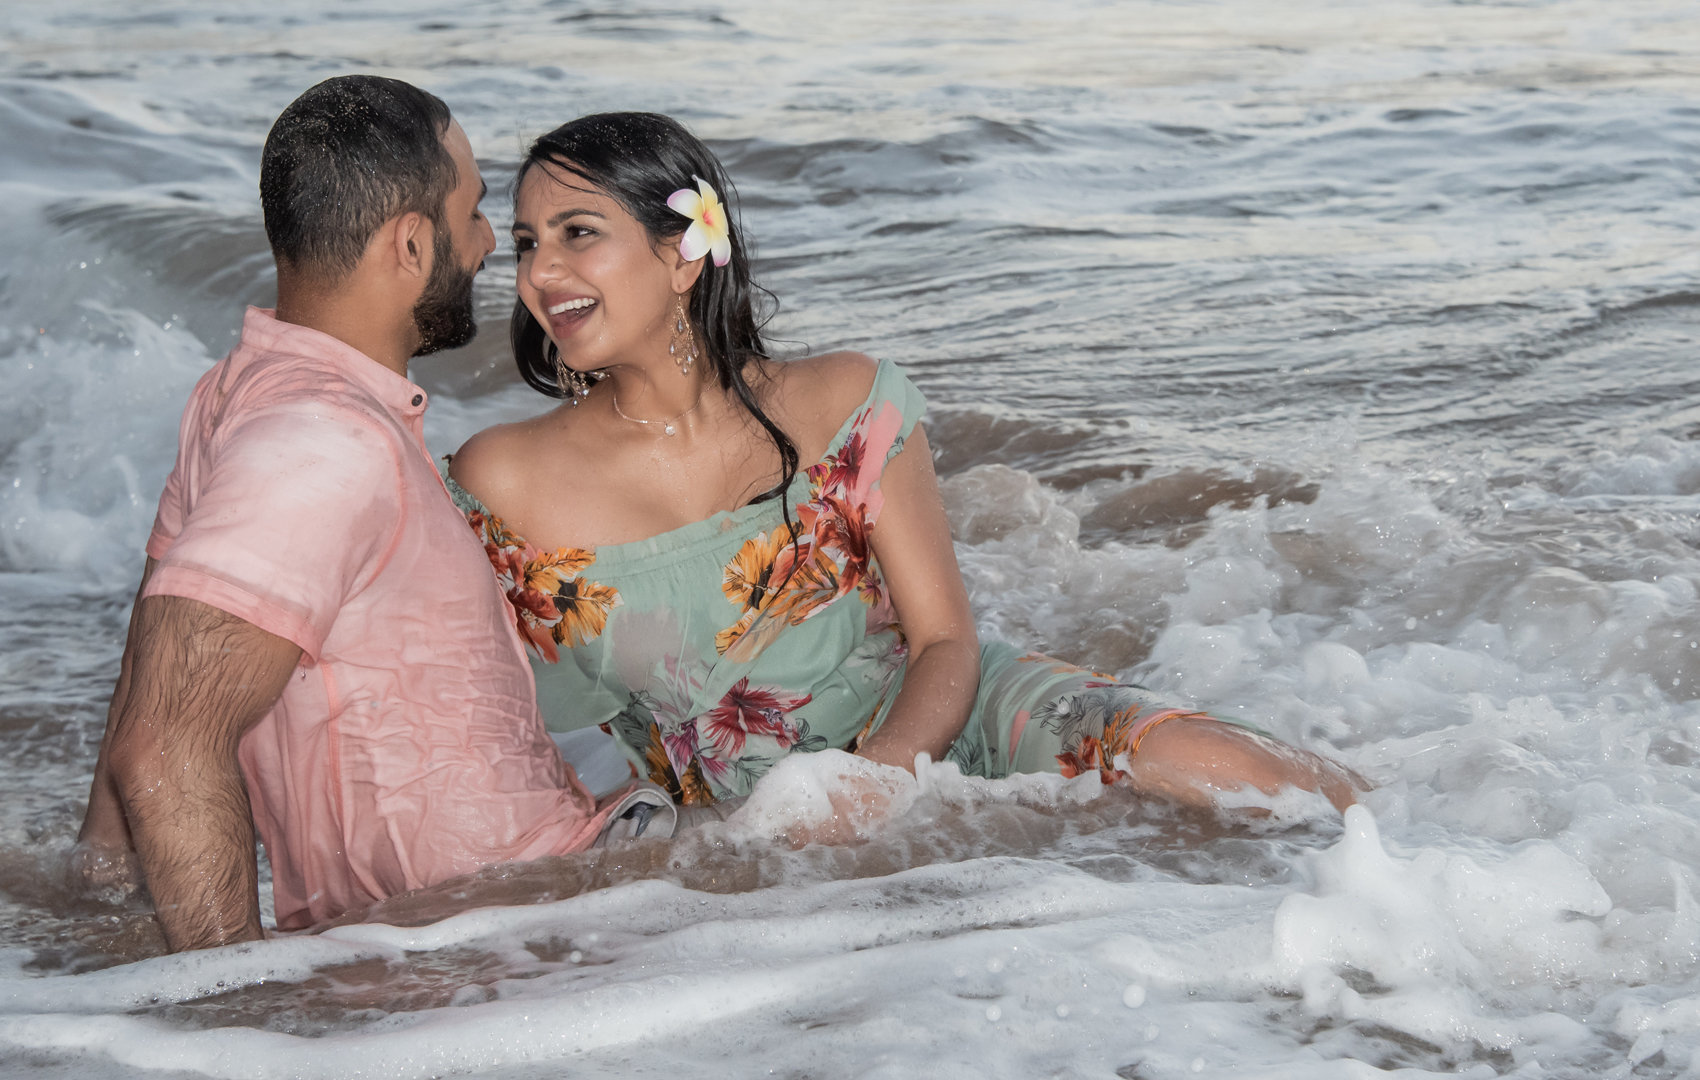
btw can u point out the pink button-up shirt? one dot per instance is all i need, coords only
(407, 747)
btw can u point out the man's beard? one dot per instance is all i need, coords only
(443, 315)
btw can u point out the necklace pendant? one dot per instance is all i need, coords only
(669, 429)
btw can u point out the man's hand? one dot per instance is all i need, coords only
(196, 680)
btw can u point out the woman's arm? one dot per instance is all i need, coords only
(911, 539)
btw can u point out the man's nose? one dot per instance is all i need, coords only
(489, 235)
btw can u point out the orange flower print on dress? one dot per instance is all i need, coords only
(748, 582)
(788, 575)
(1087, 756)
(1112, 754)
(808, 578)
(655, 761)
(749, 575)
(555, 605)
(583, 608)
(778, 583)
(686, 786)
(693, 788)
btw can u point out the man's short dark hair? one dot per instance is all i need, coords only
(345, 157)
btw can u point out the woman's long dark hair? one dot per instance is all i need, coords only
(640, 159)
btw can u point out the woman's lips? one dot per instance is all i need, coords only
(567, 315)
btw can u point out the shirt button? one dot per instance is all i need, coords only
(418, 399)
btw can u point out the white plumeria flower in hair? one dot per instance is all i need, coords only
(710, 231)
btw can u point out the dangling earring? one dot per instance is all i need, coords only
(683, 347)
(575, 385)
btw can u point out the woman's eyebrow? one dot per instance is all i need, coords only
(555, 220)
(565, 214)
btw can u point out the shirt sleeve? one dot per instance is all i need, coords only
(296, 511)
(168, 521)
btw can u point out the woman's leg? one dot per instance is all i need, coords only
(1035, 714)
(1193, 760)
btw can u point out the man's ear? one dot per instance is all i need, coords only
(411, 237)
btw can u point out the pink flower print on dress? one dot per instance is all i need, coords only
(747, 710)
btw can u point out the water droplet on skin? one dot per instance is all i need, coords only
(993, 1013)
(1134, 996)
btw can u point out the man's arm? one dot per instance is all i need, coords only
(196, 681)
(105, 855)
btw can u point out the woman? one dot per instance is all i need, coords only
(725, 559)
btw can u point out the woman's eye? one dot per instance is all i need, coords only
(575, 232)
(523, 244)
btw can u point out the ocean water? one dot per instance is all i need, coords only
(1331, 364)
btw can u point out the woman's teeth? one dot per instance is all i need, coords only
(571, 305)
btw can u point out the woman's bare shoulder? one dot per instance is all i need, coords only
(816, 394)
(494, 464)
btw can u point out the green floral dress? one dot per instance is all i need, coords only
(712, 650)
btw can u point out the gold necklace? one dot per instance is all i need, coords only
(667, 427)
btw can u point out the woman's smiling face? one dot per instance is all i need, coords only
(589, 272)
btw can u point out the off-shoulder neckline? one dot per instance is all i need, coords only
(720, 527)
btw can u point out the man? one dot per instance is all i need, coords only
(314, 616)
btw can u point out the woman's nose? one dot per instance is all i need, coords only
(545, 268)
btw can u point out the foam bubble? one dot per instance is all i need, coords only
(1438, 935)
(88, 441)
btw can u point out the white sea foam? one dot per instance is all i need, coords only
(84, 427)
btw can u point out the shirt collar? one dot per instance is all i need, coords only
(262, 329)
